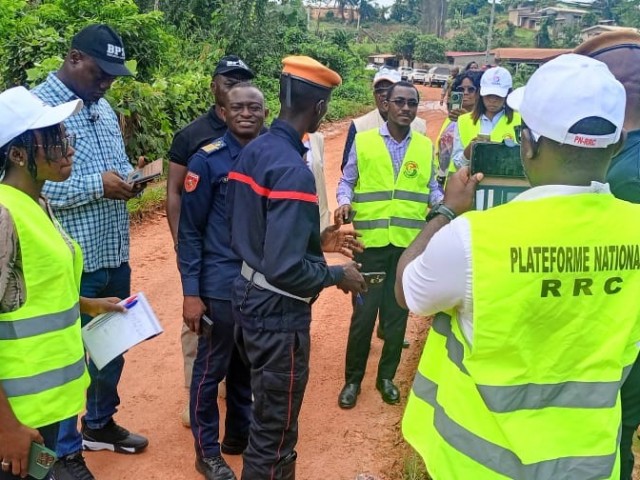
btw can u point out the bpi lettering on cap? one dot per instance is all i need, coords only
(115, 51)
(237, 63)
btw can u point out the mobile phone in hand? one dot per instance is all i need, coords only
(455, 100)
(206, 325)
(349, 219)
(374, 278)
(41, 459)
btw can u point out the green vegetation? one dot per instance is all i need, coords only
(414, 468)
(175, 48)
(151, 200)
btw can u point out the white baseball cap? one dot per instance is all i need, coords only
(21, 110)
(566, 90)
(496, 81)
(385, 73)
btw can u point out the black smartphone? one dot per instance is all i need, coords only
(206, 325)
(496, 160)
(350, 218)
(41, 459)
(374, 278)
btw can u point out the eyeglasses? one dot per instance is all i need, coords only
(65, 143)
(401, 102)
(470, 89)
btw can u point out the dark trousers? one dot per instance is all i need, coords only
(217, 357)
(50, 435)
(379, 300)
(630, 399)
(102, 394)
(279, 373)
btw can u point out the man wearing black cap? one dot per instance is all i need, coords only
(186, 142)
(91, 206)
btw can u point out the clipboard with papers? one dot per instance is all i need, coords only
(112, 334)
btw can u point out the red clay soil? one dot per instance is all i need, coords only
(334, 444)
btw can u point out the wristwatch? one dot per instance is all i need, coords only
(441, 209)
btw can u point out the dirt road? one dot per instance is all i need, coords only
(334, 444)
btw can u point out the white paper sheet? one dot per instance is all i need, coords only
(111, 334)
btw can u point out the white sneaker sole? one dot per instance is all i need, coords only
(96, 446)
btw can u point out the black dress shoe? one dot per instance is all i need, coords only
(348, 396)
(214, 468)
(390, 393)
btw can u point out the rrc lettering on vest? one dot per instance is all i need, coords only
(579, 286)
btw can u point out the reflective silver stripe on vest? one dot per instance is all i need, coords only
(16, 387)
(503, 399)
(30, 327)
(406, 223)
(370, 224)
(502, 460)
(372, 197)
(412, 196)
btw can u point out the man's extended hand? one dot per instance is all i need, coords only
(15, 444)
(192, 310)
(341, 241)
(353, 281)
(461, 190)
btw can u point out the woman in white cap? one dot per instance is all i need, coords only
(491, 119)
(43, 376)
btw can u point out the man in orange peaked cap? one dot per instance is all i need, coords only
(620, 51)
(274, 230)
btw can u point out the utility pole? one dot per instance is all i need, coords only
(490, 34)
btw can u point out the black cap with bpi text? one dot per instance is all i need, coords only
(104, 45)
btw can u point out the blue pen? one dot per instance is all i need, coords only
(130, 302)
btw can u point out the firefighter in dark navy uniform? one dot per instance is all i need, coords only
(275, 230)
(208, 267)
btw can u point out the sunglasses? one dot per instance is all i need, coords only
(401, 102)
(470, 89)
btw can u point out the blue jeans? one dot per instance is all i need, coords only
(102, 394)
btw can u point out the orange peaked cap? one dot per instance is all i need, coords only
(310, 70)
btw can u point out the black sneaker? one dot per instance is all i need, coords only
(71, 467)
(214, 468)
(112, 437)
(234, 446)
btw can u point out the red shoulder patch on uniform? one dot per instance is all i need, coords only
(191, 181)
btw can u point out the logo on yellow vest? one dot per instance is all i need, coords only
(410, 169)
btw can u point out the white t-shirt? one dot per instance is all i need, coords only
(440, 278)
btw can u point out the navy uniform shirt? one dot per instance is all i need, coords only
(208, 265)
(275, 220)
(201, 131)
(624, 171)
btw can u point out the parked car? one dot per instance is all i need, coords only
(437, 76)
(419, 75)
(405, 72)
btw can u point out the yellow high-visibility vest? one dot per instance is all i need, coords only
(555, 329)
(502, 131)
(42, 360)
(389, 210)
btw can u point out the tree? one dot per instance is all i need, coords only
(404, 43)
(434, 14)
(406, 11)
(430, 49)
(543, 39)
(467, 41)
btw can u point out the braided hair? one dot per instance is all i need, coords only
(50, 139)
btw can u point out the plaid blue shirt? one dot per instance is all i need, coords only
(98, 224)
